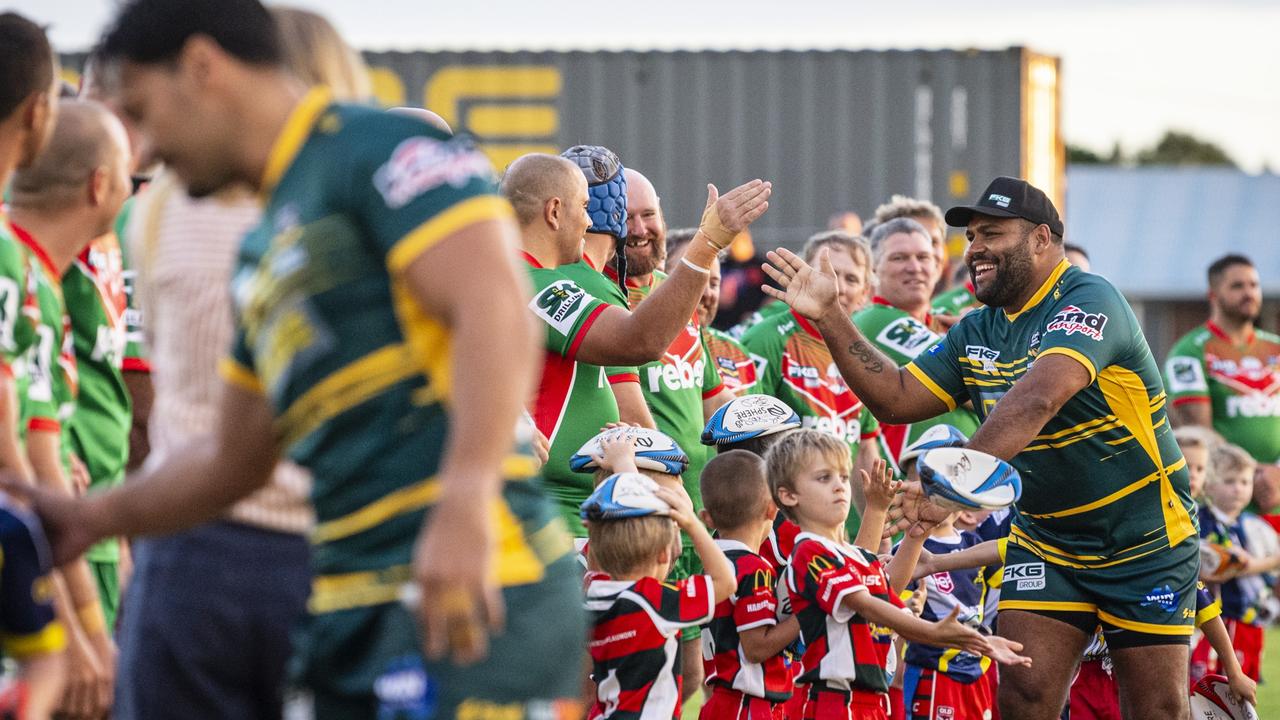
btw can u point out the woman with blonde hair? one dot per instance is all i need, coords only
(317, 54)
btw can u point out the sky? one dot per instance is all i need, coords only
(1130, 70)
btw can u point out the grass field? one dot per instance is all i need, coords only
(1268, 693)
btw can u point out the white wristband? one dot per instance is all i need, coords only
(704, 271)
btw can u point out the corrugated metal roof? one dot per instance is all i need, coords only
(1154, 231)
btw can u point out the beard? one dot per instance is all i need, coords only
(1013, 274)
(644, 260)
(1240, 315)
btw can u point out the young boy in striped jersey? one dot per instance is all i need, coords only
(636, 618)
(742, 648)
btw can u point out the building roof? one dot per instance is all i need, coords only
(1154, 231)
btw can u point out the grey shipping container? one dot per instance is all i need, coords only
(834, 130)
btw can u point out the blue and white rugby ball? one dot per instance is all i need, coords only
(939, 436)
(654, 451)
(748, 417)
(963, 479)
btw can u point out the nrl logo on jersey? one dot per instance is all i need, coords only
(984, 355)
(1072, 319)
(420, 164)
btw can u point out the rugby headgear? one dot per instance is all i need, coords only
(606, 197)
(654, 451)
(748, 417)
(622, 496)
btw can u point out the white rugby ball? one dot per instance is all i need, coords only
(1211, 699)
(654, 451)
(963, 479)
(748, 417)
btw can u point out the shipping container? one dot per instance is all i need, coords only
(834, 130)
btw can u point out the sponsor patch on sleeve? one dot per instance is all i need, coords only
(560, 304)
(1186, 375)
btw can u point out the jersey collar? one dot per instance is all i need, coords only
(1221, 334)
(727, 545)
(38, 250)
(533, 261)
(844, 549)
(806, 325)
(611, 272)
(877, 300)
(1048, 284)
(292, 136)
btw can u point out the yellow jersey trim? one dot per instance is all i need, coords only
(353, 384)
(240, 376)
(292, 137)
(51, 639)
(1042, 291)
(1053, 605)
(932, 386)
(1149, 628)
(442, 225)
(1078, 357)
(1214, 610)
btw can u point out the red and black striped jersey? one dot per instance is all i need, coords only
(776, 549)
(842, 650)
(753, 604)
(635, 642)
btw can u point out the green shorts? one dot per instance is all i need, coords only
(106, 576)
(1152, 597)
(687, 565)
(367, 662)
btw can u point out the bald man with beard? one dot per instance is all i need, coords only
(583, 331)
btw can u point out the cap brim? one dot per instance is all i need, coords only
(963, 215)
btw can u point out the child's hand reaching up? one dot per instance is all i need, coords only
(617, 453)
(879, 487)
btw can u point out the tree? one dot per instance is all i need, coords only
(1080, 155)
(1181, 148)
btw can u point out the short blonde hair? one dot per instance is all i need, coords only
(857, 247)
(1196, 436)
(1226, 459)
(786, 458)
(901, 206)
(621, 547)
(317, 54)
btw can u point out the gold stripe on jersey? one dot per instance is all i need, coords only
(1055, 605)
(240, 376)
(1012, 369)
(1043, 290)
(1071, 440)
(975, 382)
(932, 386)
(1208, 613)
(291, 139)
(1078, 357)
(1042, 551)
(1126, 396)
(430, 343)
(443, 224)
(1142, 627)
(1019, 537)
(406, 499)
(1077, 428)
(944, 660)
(51, 639)
(1108, 499)
(343, 389)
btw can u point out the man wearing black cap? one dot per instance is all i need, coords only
(1058, 371)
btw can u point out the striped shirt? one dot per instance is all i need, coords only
(184, 251)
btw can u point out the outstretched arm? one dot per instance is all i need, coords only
(892, 394)
(1023, 411)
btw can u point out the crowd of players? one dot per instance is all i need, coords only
(353, 463)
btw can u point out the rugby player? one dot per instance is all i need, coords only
(1058, 370)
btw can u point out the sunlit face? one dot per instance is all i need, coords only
(1231, 492)
(1197, 467)
(853, 279)
(1238, 293)
(999, 259)
(646, 230)
(184, 128)
(822, 493)
(937, 239)
(907, 270)
(574, 220)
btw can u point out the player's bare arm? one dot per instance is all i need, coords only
(1030, 404)
(632, 408)
(460, 600)
(619, 337)
(12, 458)
(892, 394)
(761, 643)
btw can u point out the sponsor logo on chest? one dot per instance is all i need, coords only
(682, 366)
(1072, 320)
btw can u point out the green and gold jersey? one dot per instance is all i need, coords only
(1240, 382)
(675, 386)
(955, 302)
(356, 372)
(573, 401)
(737, 369)
(903, 338)
(1103, 482)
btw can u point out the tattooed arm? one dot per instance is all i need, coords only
(892, 394)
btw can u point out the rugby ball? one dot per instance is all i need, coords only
(1211, 699)
(624, 495)
(962, 479)
(748, 417)
(1218, 563)
(654, 451)
(938, 436)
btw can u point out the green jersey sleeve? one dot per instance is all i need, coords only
(870, 425)
(711, 380)
(938, 368)
(135, 350)
(1090, 324)
(565, 310)
(1184, 375)
(12, 281)
(414, 186)
(763, 343)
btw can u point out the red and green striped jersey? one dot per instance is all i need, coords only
(675, 386)
(574, 400)
(903, 337)
(599, 286)
(1241, 383)
(1103, 482)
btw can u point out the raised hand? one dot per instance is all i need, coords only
(617, 453)
(1006, 652)
(727, 215)
(879, 487)
(810, 292)
(911, 512)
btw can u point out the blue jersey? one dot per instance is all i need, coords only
(1241, 596)
(27, 624)
(965, 589)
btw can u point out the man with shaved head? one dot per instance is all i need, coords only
(63, 201)
(587, 330)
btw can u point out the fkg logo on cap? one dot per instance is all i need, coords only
(1000, 200)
